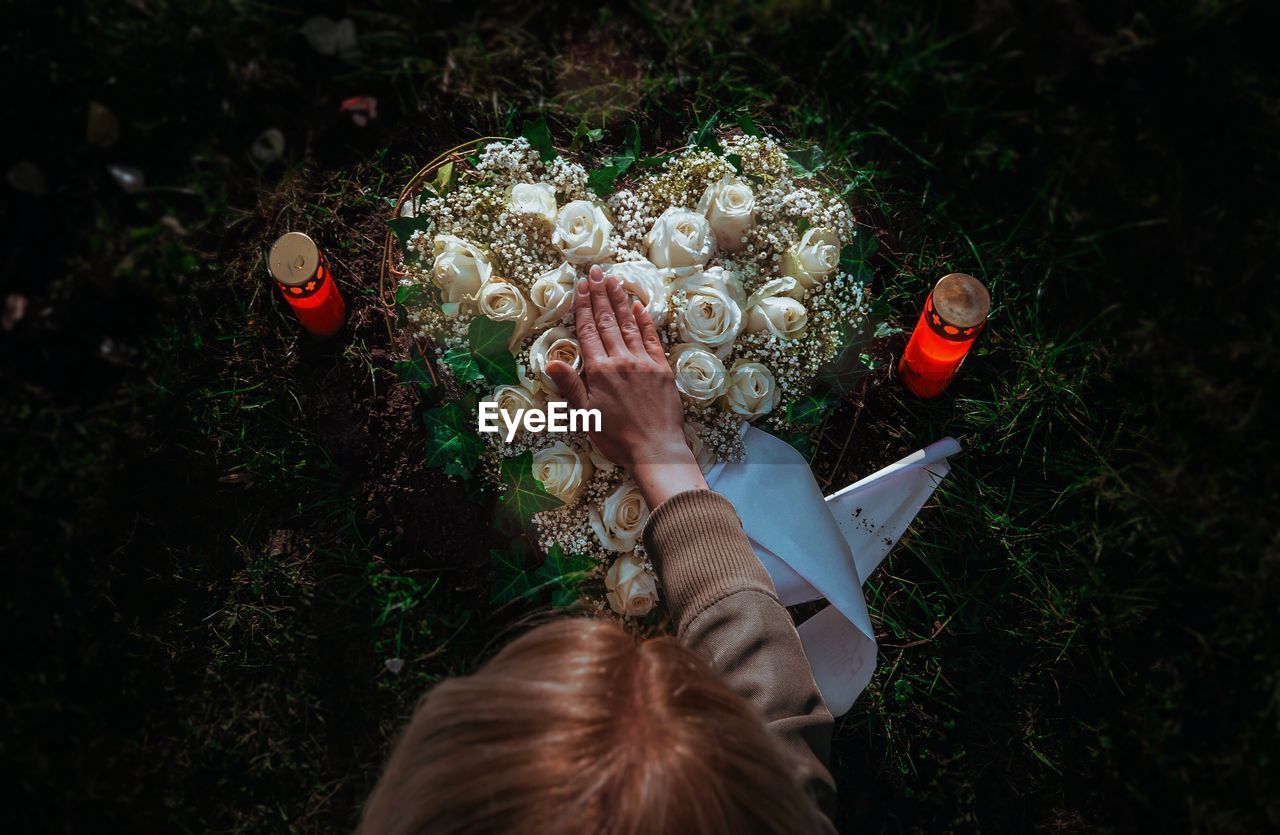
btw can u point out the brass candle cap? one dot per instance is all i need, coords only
(293, 259)
(961, 300)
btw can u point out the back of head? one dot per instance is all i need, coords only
(577, 727)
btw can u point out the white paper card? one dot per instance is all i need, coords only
(817, 548)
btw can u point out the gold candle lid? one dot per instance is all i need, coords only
(961, 300)
(293, 259)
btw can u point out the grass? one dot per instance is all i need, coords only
(220, 532)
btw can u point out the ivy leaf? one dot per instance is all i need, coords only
(808, 162)
(452, 443)
(809, 411)
(849, 364)
(410, 294)
(463, 365)
(488, 340)
(602, 179)
(563, 574)
(407, 296)
(539, 136)
(560, 574)
(748, 125)
(736, 161)
(404, 227)
(525, 495)
(511, 580)
(582, 134)
(858, 251)
(414, 372)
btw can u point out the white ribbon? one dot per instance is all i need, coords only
(815, 547)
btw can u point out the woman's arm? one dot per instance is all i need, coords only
(723, 602)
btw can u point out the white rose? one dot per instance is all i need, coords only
(554, 344)
(680, 241)
(700, 375)
(771, 308)
(712, 315)
(502, 301)
(562, 470)
(642, 280)
(582, 233)
(752, 390)
(701, 452)
(533, 199)
(597, 458)
(459, 270)
(552, 294)
(620, 521)
(511, 399)
(729, 207)
(812, 259)
(631, 589)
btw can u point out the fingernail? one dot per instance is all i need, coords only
(597, 276)
(611, 282)
(582, 285)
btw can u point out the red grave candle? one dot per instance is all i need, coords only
(302, 273)
(953, 316)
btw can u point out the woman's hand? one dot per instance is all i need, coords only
(629, 381)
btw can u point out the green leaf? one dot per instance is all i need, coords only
(736, 161)
(848, 366)
(560, 574)
(489, 341)
(563, 574)
(408, 295)
(414, 372)
(444, 179)
(463, 364)
(602, 179)
(809, 411)
(582, 134)
(404, 227)
(511, 580)
(858, 251)
(748, 125)
(705, 135)
(539, 136)
(808, 162)
(452, 443)
(525, 495)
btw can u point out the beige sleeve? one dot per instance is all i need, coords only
(726, 609)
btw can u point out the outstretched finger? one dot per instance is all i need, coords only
(626, 317)
(649, 333)
(606, 319)
(569, 382)
(584, 324)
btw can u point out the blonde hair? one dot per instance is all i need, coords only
(578, 727)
